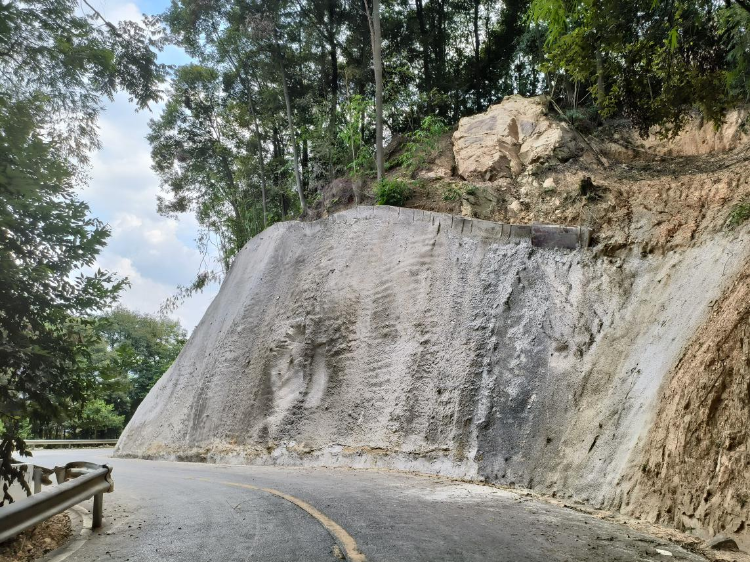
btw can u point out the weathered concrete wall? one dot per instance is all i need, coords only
(426, 342)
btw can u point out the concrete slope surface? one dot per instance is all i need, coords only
(406, 339)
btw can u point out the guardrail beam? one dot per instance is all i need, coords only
(91, 481)
(69, 442)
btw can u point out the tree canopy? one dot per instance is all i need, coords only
(278, 100)
(57, 61)
(135, 351)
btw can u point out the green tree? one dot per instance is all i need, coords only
(735, 25)
(195, 145)
(139, 350)
(376, 37)
(46, 236)
(652, 61)
(98, 416)
(56, 63)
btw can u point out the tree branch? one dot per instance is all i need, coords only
(112, 27)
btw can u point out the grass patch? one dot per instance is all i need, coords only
(421, 145)
(451, 193)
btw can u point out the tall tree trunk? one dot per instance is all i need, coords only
(259, 140)
(334, 84)
(241, 234)
(441, 47)
(377, 61)
(425, 44)
(600, 93)
(292, 136)
(477, 77)
(305, 165)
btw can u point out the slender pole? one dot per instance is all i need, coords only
(37, 479)
(373, 20)
(96, 518)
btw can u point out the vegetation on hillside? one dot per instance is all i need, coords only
(278, 100)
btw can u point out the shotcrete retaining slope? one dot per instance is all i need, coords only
(423, 342)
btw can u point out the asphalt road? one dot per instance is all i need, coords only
(170, 511)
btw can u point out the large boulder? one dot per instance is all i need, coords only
(510, 136)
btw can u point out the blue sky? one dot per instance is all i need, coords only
(154, 252)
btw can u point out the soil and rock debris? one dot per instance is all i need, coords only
(37, 541)
(616, 376)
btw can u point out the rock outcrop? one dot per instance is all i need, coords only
(508, 137)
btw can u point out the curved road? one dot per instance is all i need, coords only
(168, 511)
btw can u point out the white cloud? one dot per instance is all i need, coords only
(115, 10)
(155, 253)
(147, 295)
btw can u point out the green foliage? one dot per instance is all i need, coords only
(194, 145)
(135, 351)
(422, 143)
(451, 193)
(55, 51)
(46, 236)
(650, 60)
(738, 215)
(98, 416)
(392, 192)
(735, 25)
(57, 60)
(356, 115)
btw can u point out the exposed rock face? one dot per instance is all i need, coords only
(510, 136)
(700, 137)
(398, 338)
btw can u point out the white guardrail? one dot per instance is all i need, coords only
(76, 482)
(68, 442)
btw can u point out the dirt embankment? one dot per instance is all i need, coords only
(694, 473)
(649, 196)
(37, 541)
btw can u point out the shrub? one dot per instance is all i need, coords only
(422, 143)
(739, 214)
(392, 192)
(451, 193)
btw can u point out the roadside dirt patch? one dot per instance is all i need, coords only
(37, 541)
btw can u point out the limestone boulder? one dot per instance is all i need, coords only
(508, 137)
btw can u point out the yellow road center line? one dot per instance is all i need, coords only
(345, 540)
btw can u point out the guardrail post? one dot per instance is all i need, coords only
(96, 518)
(37, 479)
(60, 474)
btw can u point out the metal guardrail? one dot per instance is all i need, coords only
(53, 442)
(77, 482)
